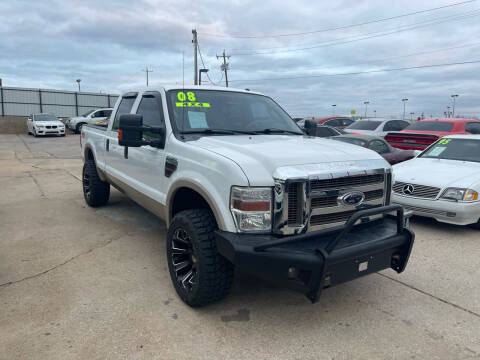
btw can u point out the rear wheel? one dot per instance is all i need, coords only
(199, 273)
(95, 191)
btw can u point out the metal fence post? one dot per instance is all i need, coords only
(76, 103)
(40, 100)
(1, 100)
(108, 97)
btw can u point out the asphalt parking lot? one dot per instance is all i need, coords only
(77, 282)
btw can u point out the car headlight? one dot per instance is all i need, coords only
(460, 194)
(39, 126)
(251, 208)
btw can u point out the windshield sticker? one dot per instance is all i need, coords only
(193, 104)
(436, 151)
(190, 95)
(444, 141)
(197, 120)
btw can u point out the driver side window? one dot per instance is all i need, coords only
(378, 146)
(151, 110)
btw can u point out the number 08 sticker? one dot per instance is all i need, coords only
(189, 99)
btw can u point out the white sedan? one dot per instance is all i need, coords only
(443, 182)
(44, 124)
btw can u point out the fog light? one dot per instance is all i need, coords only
(451, 214)
(292, 273)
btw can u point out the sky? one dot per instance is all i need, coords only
(328, 53)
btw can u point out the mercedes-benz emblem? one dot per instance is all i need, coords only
(408, 189)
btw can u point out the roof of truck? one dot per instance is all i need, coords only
(191, 87)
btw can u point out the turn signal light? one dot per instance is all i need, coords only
(120, 134)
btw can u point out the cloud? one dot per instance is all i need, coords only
(51, 43)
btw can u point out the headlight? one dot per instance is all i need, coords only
(251, 208)
(460, 194)
(39, 126)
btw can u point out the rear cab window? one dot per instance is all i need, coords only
(124, 107)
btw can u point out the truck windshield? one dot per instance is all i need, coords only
(44, 117)
(216, 112)
(454, 149)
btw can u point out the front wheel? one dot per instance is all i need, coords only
(476, 225)
(78, 128)
(34, 133)
(199, 273)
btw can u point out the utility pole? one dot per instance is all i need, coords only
(195, 52)
(366, 104)
(146, 70)
(224, 66)
(333, 107)
(404, 100)
(453, 97)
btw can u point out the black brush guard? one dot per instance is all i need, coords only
(313, 261)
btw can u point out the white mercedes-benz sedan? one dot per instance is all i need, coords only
(443, 182)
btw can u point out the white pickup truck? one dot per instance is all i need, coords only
(239, 185)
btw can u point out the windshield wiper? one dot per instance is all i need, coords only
(218, 131)
(277, 131)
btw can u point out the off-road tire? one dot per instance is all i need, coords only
(214, 273)
(95, 191)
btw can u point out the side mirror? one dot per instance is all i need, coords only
(310, 127)
(130, 132)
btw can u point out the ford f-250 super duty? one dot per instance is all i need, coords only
(240, 185)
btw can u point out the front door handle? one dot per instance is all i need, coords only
(107, 146)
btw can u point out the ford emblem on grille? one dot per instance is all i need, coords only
(352, 198)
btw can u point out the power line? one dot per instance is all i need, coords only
(365, 36)
(338, 27)
(360, 72)
(203, 63)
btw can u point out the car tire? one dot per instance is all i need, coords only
(95, 191)
(476, 225)
(34, 133)
(62, 134)
(199, 273)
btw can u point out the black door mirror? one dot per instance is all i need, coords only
(130, 132)
(310, 127)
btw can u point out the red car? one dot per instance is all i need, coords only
(379, 145)
(339, 122)
(422, 134)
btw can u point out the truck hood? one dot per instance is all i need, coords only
(260, 155)
(437, 172)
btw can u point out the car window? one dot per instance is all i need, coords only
(365, 125)
(473, 128)
(334, 122)
(378, 146)
(431, 126)
(395, 125)
(98, 114)
(323, 131)
(108, 113)
(124, 108)
(151, 109)
(346, 122)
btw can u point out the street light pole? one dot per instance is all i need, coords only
(78, 82)
(366, 104)
(411, 115)
(374, 113)
(200, 75)
(448, 111)
(404, 100)
(333, 107)
(453, 97)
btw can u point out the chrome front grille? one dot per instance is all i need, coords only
(422, 191)
(317, 202)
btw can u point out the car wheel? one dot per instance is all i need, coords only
(95, 191)
(476, 225)
(34, 133)
(199, 273)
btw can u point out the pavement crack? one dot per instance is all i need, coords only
(431, 295)
(4, 285)
(42, 194)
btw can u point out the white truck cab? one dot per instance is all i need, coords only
(91, 116)
(239, 184)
